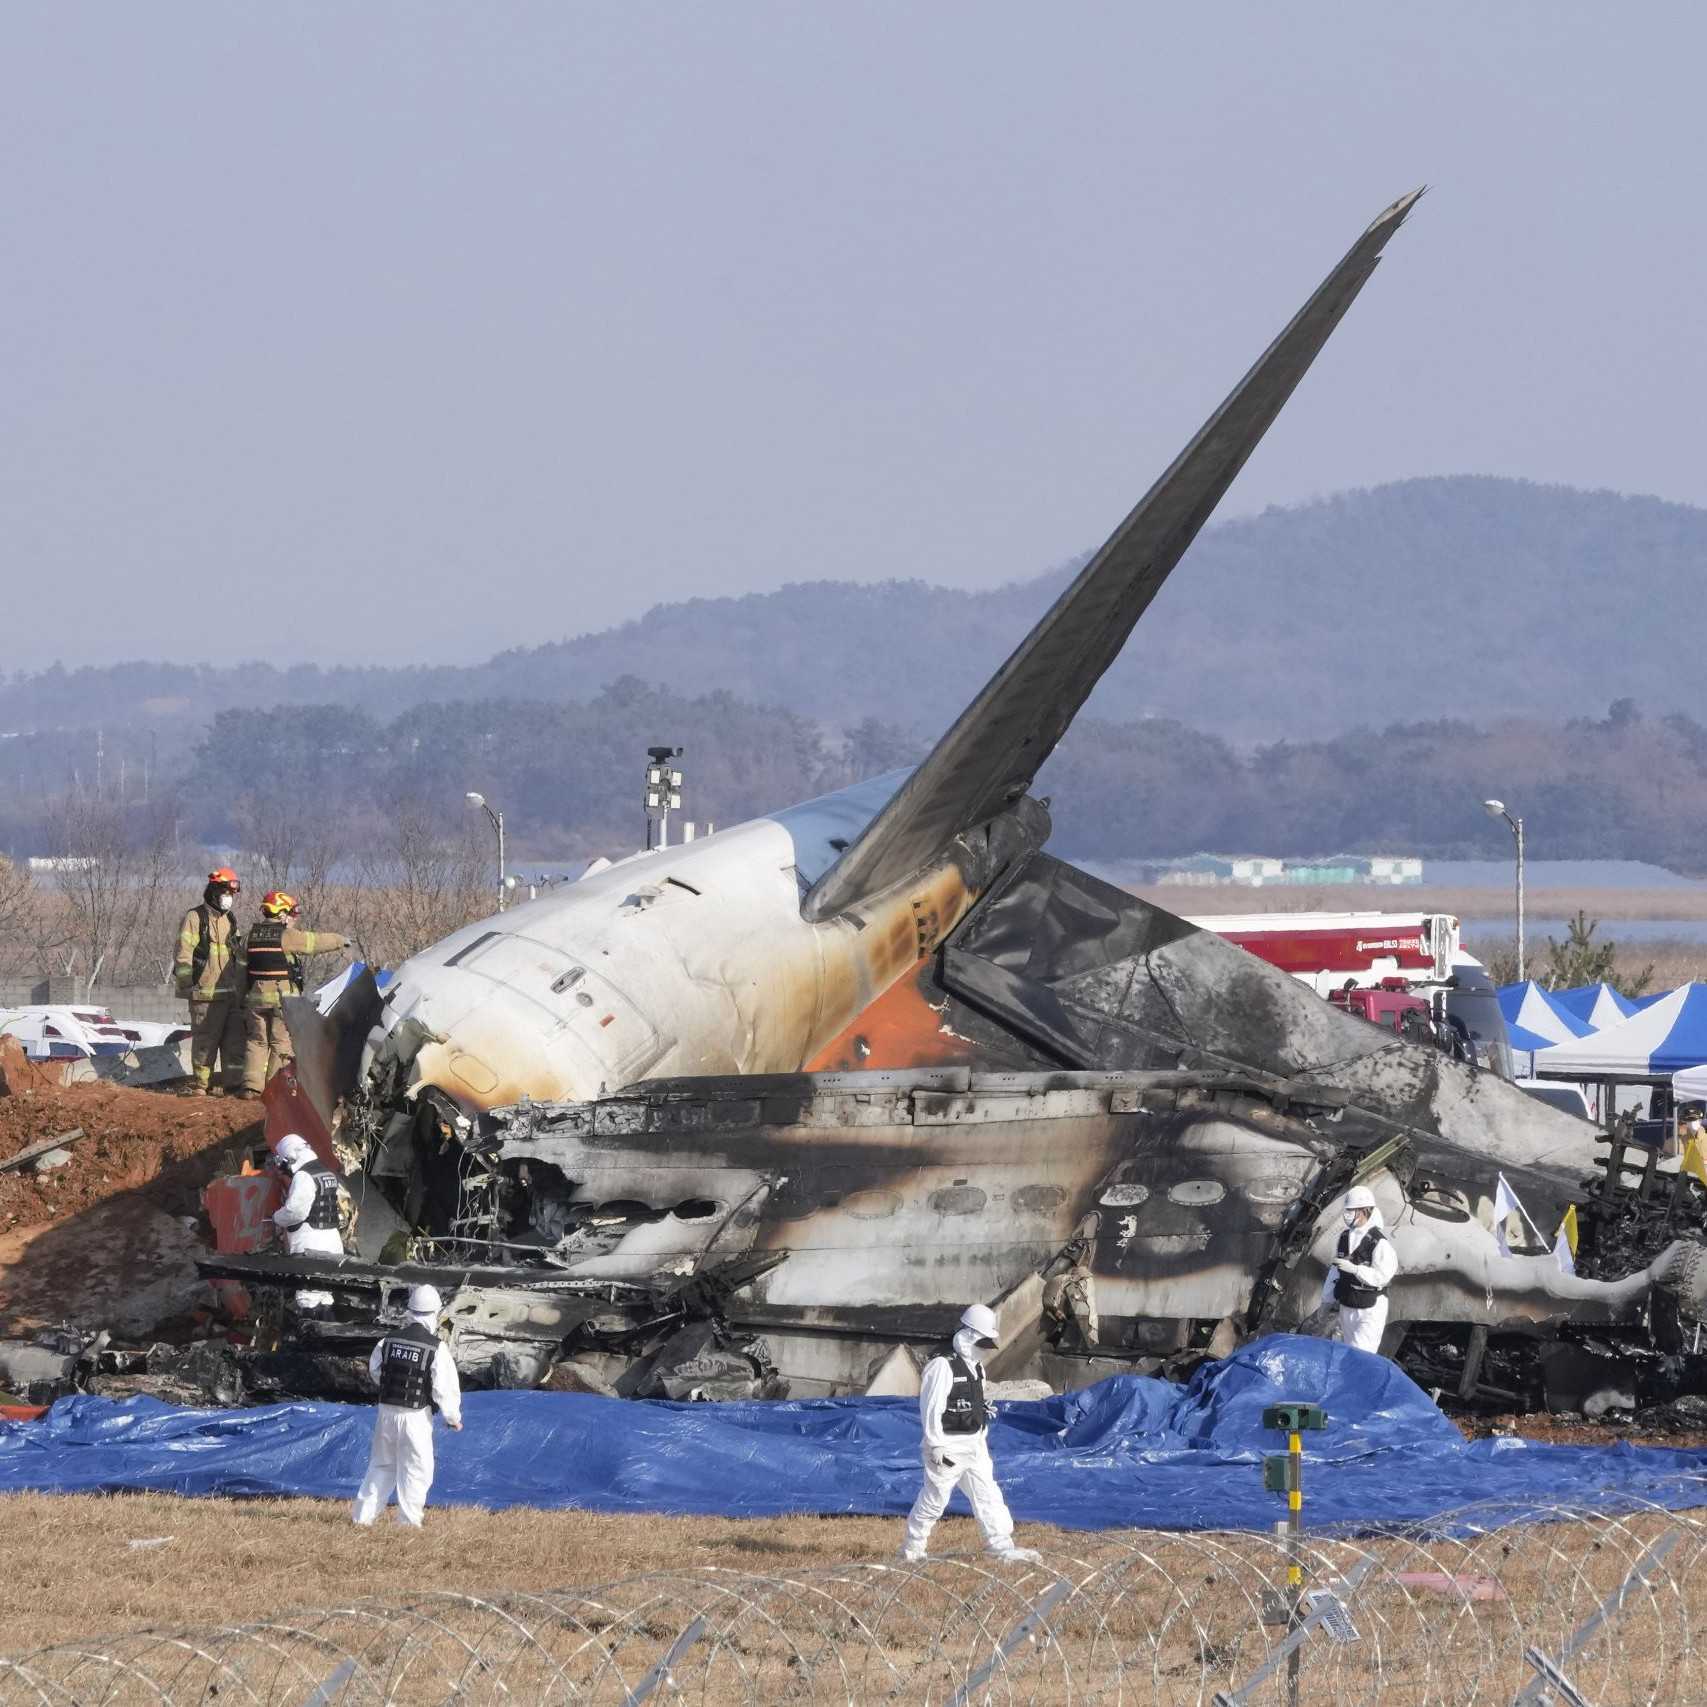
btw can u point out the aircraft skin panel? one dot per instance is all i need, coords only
(693, 960)
(991, 755)
(895, 1200)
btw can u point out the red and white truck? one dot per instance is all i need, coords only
(1407, 972)
(1324, 950)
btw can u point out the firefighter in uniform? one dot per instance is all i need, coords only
(1363, 1268)
(272, 970)
(206, 971)
(309, 1215)
(416, 1377)
(955, 1417)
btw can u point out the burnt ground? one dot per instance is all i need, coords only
(1662, 1426)
(112, 1234)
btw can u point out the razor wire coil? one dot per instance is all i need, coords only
(1444, 1614)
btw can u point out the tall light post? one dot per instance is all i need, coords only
(663, 791)
(1496, 809)
(497, 818)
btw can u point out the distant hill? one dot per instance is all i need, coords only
(1474, 597)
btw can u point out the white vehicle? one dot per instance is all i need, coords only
(151, 1033)
(1567, 1098)
(64, 1034)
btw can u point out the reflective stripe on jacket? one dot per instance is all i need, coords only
(211, 937)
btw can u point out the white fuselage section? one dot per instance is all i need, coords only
(688, 960)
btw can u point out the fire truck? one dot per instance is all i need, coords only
(1407, 972)
(1325, 950)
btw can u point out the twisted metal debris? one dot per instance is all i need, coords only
(1590, 1607)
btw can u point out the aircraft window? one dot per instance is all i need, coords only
(1197, 1191)
(695, 1209)
(1127, 1196)
(959, 1199)
(570, 978)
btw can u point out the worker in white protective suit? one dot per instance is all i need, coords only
(1363, 1268)
(955, 1416)
(416, 1377)
(308, 1217)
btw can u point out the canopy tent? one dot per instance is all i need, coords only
(1535, 1018)
(1652, 1043)
(1690, 1085)
(1596, 1005)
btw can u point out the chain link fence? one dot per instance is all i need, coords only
(1568, 1606)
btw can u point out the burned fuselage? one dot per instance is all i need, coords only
(797, 1093)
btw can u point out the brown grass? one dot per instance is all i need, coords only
(73, 1573)
(1172, 1616)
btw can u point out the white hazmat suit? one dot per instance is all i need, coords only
(957, 1460)
(401, 1457)
(1363, 1328)
(292, 1216)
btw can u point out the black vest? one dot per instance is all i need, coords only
(323, 1212)
(265, 958)
(1353, 1293)
(406, 1368)
(965, 1411)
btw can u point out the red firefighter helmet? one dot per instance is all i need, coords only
(277, 905)
(225, 878)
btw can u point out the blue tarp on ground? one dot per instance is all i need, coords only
(1127, 1452)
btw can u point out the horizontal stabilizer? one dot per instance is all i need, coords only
(990, 757)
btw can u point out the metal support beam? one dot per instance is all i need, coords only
(659, 1675)
(1024, 1631)
(1283, 1651)
(332, 1686)
(1550, 1679)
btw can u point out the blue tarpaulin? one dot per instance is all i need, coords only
(1127, 1452)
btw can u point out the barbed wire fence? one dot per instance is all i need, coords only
(1565, 1606)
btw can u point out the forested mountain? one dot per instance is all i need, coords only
(1469, 634)
(1466, 596)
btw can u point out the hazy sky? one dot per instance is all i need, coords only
(411, 331)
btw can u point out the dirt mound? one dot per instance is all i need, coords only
(131, 1139)
(109, 1238)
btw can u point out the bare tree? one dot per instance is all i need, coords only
(286, 848)
(113, 870)
(21, 907)
(424, 874)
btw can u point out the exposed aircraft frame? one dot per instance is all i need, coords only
(772, 1106)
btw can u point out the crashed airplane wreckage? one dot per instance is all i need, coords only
(761, 1113)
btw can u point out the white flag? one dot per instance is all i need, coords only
(1506, 1204)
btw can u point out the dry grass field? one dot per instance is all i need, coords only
(799, 1609)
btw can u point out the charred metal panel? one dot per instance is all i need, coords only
(1056, 954)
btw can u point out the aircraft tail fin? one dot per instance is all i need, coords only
(991, 755)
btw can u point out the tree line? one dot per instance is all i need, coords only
(364, 819)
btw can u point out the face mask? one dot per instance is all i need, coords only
(1351, 1218)
(225, 902)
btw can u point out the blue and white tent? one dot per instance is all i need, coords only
(1655, 1042)
(1536, 1019)
(1597, 1005)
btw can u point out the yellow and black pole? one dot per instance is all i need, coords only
(1283, 1473)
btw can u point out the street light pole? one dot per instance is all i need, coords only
(1496, 809)
(497, 820)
